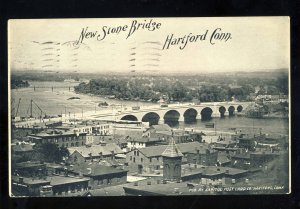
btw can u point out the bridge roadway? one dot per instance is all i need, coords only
(173, 111)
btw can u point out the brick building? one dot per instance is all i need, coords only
(62, 139)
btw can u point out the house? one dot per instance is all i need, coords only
(94, 152)
(61, 138)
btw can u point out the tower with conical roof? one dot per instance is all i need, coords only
(172, 159)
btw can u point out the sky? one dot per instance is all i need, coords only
(255, 43)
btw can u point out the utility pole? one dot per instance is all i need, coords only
(215, 126)
(31, 101)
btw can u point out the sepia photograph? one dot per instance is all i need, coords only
(149, 106)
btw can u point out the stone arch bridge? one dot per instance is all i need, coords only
(182, 112)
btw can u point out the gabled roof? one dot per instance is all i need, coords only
(96, 149)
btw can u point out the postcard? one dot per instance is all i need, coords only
(149, 106)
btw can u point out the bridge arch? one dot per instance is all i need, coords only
(190, 114)
(151, 117)
(206, 113)
(171, 116)
(239, 108)
(129, 117)
(222, 111)
(231, 110)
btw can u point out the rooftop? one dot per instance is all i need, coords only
(22, 148)
(168, 189)
(154, 151)
(30, 181)
(95, 169)
(161, 127)
(95, 150)
(210, 170)
(50, 133)
(143, 139)
(60, 180)
(29, 164)
(172, 150)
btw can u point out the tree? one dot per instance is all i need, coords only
(49, 152)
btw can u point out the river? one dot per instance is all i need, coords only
(56, 102)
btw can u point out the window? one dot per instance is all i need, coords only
(134, 152)
(138, 153)
(150, 159)
(130, 158)
(134, 159)
(141, 159)
(157, 158)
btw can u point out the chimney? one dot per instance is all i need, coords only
(101, 155)
(112, 155)
(136, 183)
(149, 183)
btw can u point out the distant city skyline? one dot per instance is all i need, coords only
(258, 43)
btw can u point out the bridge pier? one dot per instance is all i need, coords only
(226, 113)
(161, 121)
(216, 114)
(181, 118)
(198, 117)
